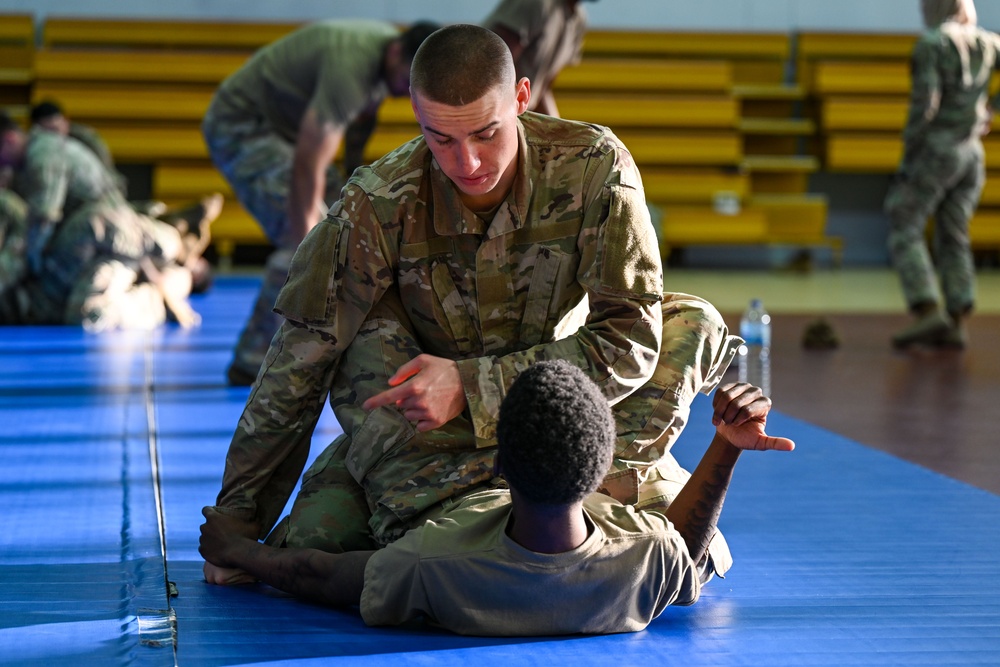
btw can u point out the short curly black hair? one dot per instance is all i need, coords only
(45, 109)
(555, 435)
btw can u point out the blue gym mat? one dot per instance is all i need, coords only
(111, 445)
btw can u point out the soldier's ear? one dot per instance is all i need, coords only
(522, 93)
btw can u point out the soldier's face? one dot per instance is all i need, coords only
(476, 144)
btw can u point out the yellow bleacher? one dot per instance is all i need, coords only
(705, 114)
(17, 48)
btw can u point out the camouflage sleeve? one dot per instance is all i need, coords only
(89, 137)
(925, 95)
(272, 439)
(619, 342)
(333, 282)
(45, 180)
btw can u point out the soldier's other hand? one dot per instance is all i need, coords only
(427, 390)
(226, 576)
(221, 538)
(740, 416)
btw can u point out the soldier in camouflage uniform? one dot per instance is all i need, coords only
(543, 36)
(274, 127)
(496, 239)
(88, 257)
(942, 172)
(49, 116)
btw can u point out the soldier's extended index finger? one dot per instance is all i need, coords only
(387, 397)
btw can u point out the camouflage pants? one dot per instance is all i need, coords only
(257, 163)
(945, 184)
(355, 493)
(260, 327)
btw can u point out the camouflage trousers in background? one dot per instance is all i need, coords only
(945, 184)
(257, 163)
(382, 477)
(260, 327)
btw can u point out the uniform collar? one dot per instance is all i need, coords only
(452, 217)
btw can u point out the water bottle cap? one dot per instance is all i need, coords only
(755, 303)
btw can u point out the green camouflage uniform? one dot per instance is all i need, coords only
(550, 31)
(90, 138)
(252, 123)
(85, 241)
(568, 267)
(942, 172)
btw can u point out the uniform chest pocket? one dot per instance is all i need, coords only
(552, 278)
(451, 310)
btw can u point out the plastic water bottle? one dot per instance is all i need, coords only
(755, 353)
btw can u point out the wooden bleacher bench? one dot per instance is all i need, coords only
(768, 128)
(62, 32)
(798, 220)
(17, 49)
(645, 75)
(984, 229)
(651, 111)
(881, 153)
(729, 45)
(692, 185)
(111, 102)
(860, 77)
(700, 147)
(755, 58)
(814, 47)
(146, 67)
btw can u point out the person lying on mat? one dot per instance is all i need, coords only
(545, 556)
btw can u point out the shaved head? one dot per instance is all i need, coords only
(459, 64)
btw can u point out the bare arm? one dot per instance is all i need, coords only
(315, 147)
(332, 579)
(740, 416)
(356, 137)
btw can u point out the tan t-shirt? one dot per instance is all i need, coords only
(550, 31)
(331, 66)
(464, 573)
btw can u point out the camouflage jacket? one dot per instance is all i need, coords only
(568, 268)
(952, 66)
(60, 175)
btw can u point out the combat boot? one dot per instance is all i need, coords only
(955, 337)
(928, 330)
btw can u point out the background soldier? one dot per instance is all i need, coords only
(275, 125)
(942, 172)
(543, 36)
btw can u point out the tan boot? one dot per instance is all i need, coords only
(927, 330)
(956, 337)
